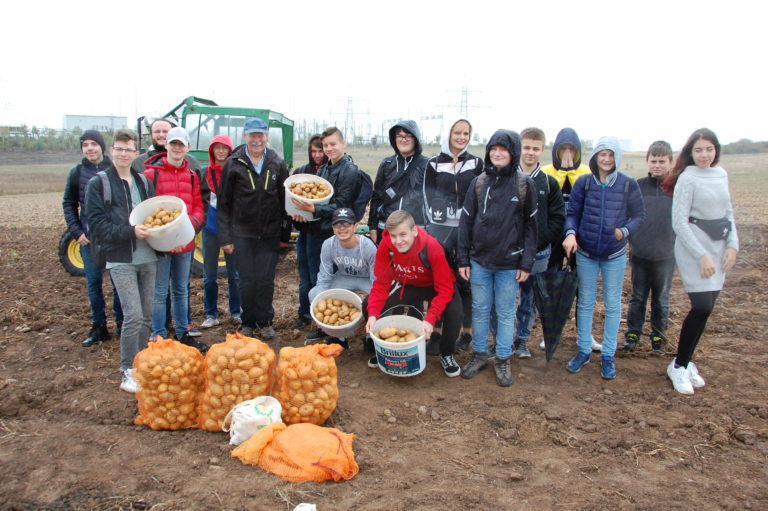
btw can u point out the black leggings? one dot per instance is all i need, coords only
(693, 326)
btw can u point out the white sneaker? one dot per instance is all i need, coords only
(542, 345)
(209, 322)
(129, 384)
(693, 374)
(680, 379)
(596, 346)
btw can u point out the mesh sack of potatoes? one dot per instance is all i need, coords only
(170, 375)
(306, 384)
(236, 370)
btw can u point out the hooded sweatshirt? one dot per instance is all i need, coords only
(498, 227)
(309, 168)
(212, 176)
(566, 177)
(408, 269)
(595, 214)
(399, 181)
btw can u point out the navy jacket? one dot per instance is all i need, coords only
(73, 201)
(655, 239)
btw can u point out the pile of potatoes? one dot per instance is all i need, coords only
(307, 387)
(237, 370)
(171, 377)
(392, 334)
(160, 217)
(310, 189)
(335, 312)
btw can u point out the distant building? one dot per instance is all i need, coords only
(94, 122)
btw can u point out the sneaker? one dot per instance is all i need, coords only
(657, 345)
(596, 346)
(266, 333)
(503, 370)
(316, 335)
(521, 350)
(129, 384)
(237, 319)
(693, 374)
(340, 341)
(450, 367)
(607, 367)
(464, 342)
(680, 378)
(543, 345)
(475, 365)
(576, 363)
(188, 340)
(193, 331)
(247, 331)
(209, 322)
(300, 323)
(98, 333)
(630, 342)
(433, 344)
(373, 362)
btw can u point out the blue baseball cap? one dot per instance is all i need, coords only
(255, 125)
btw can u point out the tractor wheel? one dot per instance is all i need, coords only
(197, 259)
(69, 255)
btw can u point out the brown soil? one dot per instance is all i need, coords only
(551, 441)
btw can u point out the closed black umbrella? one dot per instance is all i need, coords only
(554, 291)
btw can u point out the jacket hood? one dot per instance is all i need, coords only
(412, 128)
(511, 141)
(566, 136)
(309, 151)
(612, 144)
(219, 139)
(445, 140)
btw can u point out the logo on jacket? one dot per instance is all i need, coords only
(515, 199)
(437, 215)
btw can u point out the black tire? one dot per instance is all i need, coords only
(197, 259)
(69, 255)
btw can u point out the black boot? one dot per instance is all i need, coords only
(433, 344)
(98, 333)
(191, 341)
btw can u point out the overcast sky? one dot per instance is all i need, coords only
(636, 70)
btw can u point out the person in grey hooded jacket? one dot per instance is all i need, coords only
(399, 180)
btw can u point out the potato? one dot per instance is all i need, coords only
(387, 332)
(161, 217)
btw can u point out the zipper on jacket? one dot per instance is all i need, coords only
(602, 217)
(266, 181)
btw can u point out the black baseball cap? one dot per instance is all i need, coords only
(343, 215)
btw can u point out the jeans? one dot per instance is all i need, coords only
(308, 259)
(256, 261)
(210, 274)
(136, 285)
(176, 268)
(613, 279)
(493, 289)
(526, 309)
(654, 278)
(94, 279)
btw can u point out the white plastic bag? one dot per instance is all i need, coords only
(247, 417)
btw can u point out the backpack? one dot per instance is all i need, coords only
(522, 188)
(364, 194)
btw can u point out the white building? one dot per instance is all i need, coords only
(94, 122)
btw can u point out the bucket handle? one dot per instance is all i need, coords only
(406, 310)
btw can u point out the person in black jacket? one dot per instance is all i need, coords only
(131, 262)
(652, 256)
(94, 160)
(399, 180)
(497, 249)
(252, 220)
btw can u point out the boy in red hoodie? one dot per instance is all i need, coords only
(410, 269)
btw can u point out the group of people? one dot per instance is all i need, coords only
(454, 236)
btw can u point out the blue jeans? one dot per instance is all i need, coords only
(654, 278)
(308, 259)
(613, 279)
(94, 279)
(493, 288)
(176, 268)
(526, 309)
(211, 249)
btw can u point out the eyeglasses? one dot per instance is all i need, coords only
(120, 150)
(404, 138)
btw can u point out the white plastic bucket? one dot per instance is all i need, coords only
(171, 235)
(340, 294)
(400, 358)
(302, 178)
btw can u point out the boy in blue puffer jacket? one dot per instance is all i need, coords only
(606, 206)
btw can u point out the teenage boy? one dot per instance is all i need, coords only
(345, 178)
(411, 268)
(251, 218)
(346, 260)
(94, 160)
(550, 219)
(218, 152)
(171, 175)
(400, 179)
(497, 249)
(307, 246)
(130, 260)
(652, 257)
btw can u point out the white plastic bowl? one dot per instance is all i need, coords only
(165, 238)
(303, 178)
(340, 294)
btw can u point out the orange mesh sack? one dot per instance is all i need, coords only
(236, 370)
(301, 452)
(306, 383)
(171, 377)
